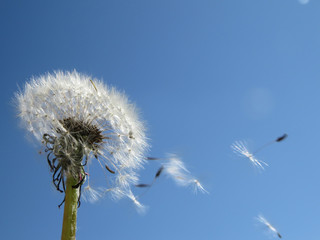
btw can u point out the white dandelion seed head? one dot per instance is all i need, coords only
(76, 118)
(240, 147)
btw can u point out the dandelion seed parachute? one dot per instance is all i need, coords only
(174, 168)
(79, 121)
(240, 148)
(270, 229)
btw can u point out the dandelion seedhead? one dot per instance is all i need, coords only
(268, 227)
(79, 120)
(240, 148)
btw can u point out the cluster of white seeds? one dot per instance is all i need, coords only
(48, 100)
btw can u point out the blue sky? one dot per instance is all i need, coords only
(204, 74)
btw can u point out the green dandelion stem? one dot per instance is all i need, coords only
(70, 210)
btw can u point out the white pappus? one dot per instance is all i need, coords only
(268, 227)
(175, 168)
(79, 120)
(241, 148)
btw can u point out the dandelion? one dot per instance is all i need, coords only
(80, 121)
(269, 228)
(240, 148)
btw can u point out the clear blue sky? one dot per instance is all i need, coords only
(204, 74)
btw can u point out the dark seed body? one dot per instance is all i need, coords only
(142, 185)
(284, 136)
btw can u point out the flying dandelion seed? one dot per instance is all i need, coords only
(240, 147)
(174, 168)
(80, 121)
(268, 227)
